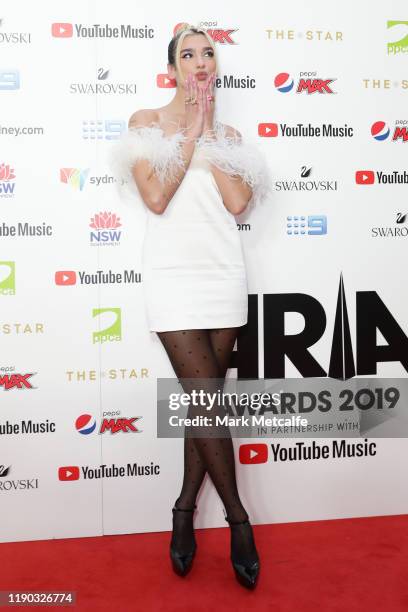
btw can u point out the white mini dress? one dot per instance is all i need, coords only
(193, 266)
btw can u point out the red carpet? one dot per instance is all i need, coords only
(343, 565)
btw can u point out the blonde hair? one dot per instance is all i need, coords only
(188, 30)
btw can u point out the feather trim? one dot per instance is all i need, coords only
(228, 153)
(234, 157)
(148, 142)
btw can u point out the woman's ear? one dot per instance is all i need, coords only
(171, 71)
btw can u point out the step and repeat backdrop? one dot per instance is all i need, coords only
(322, 92)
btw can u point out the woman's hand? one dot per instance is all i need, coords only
(209, 105)
(194, 112)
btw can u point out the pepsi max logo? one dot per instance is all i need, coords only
(283, 82)
(380, 130)
(85, 424)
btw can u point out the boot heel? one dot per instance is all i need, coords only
(246, 572)
(182, 562)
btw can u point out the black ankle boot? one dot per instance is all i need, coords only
(246, 572)
(182, 562)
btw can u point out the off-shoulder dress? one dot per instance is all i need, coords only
(193, 266)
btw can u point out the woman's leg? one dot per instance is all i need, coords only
(222, 343)
(192, 356)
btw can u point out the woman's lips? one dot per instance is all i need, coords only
(201, 76)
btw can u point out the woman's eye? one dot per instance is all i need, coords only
(210, 52)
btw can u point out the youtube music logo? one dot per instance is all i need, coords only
(365, 177)
(268, 130)
(70, 472)
(65, 277)
(164, 81)
(62, 30)
(253, 453)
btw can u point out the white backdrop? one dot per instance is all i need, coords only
(55, 171)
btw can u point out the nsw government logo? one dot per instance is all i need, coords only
(105, 225)
(111, 322)
(7, 278)
(7, 183)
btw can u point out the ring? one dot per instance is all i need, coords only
(187, 100)
(193, 100)
(210, 98)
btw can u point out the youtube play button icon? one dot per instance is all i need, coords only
(65, 277)
(165, 82)
(365, 177)
(268, 130)
(253, 453)
(68, 472)
(62, 30)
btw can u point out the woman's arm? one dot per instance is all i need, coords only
(156, 194)
(235, 193)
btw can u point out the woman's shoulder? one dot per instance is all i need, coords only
(144, 118)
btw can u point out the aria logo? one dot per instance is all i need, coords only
(111, 321)
(105, 225)
(308, 82)
(279, 347)
(7, 278)
(305, 185)
(401, 45)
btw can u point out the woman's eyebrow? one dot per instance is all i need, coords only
(204, 49)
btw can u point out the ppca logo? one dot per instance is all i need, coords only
(110, 320)
(7, 278)
(400, 45)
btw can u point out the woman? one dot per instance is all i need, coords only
(194, 174)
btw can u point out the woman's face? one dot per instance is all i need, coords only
(197, 58)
